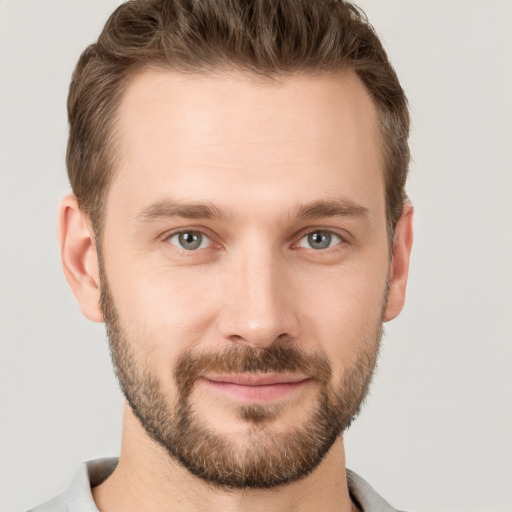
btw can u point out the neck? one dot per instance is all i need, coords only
(147, 478)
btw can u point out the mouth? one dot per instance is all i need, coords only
(257, 388)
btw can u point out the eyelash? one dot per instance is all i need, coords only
(190, 232)
(341, 240)
(331, 234)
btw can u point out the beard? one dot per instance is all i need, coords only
(267, 458)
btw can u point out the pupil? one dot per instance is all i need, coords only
(320, 240)
(190, 240)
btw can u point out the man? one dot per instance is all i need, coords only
(239, 222)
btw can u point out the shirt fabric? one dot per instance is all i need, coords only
(78, 496)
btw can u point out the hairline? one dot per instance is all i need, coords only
(112, 146)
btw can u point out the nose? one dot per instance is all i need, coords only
(258, 301)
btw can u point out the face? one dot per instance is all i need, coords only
(245, 267)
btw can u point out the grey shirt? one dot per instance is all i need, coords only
(78, 496)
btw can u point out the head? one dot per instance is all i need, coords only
(239, 222)
(262, 38)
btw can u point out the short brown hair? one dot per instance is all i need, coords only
(266, 37)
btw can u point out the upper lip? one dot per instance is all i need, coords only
(263, 379)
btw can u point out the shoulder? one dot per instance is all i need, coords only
(57, 504)
(365, 495)
(78, 496)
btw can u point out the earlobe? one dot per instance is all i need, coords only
(79, 257)
(399, 268)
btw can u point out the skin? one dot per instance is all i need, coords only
(257, 150)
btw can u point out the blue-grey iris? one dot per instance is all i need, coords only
(190, 240)
(320, 239)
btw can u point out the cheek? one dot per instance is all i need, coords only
(165, 312)
(342, 312)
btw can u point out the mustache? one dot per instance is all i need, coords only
(276, 358)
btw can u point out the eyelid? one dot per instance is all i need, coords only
(215, 239)
(343, 237)
(205, 232)
(206, 241)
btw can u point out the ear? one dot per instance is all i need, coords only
(399, 269)
(79, 257)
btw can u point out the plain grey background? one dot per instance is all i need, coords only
(436, 433)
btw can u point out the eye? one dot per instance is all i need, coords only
(189, 240)
(319, 240)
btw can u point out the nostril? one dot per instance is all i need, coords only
(261, 340)
(284, 338)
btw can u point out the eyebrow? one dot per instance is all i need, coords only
(331, 208)
(168, 208)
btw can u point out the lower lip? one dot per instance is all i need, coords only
(264, 393)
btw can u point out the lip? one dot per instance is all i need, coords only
(254, 388)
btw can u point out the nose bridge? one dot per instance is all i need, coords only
(257, 306)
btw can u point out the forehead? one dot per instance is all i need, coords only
(208, 137)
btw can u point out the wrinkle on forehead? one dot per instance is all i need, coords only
(234, 144)
(202, 112)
